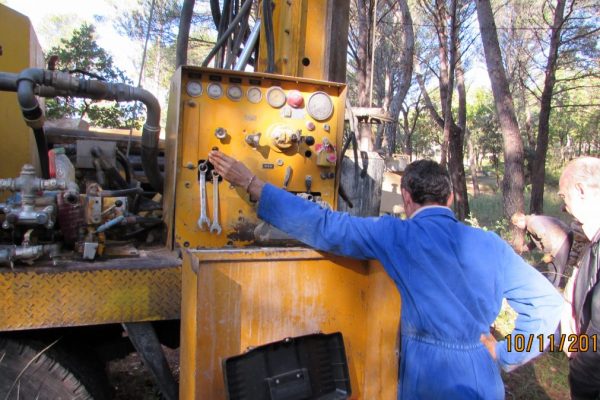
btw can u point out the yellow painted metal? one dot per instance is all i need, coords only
(192, 136)
(300, 31)
(20, 50)
(141, 289)
(234, 299)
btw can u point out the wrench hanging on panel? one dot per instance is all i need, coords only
(215, 227)
(202, 168)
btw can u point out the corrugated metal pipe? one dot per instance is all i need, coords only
(46, 83)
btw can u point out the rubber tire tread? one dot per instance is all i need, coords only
(54, 375)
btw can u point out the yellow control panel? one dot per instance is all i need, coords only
(286, 130)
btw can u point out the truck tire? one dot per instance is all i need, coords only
(33, 370)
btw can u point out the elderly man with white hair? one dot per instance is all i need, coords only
(580, 190)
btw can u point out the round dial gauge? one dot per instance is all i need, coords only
(276, 97)
(234, 92)
(193, 88)
(254, 95)
(320, 106)
(214, 90)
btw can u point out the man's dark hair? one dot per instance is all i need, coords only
(427, 182)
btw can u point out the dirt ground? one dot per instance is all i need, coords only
(542, 379)
(130, 379)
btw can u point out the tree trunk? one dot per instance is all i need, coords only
(452, 132)
(513, 182)
(472, 165)
(364, 9)
(538, 177)
(404, 73)
(409, 127)
(461, 198)
(382, 140)
(452, 153)
(457, 173)
(446, 71)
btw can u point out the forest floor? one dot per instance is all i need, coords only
(545, 378)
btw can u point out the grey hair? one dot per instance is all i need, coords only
(584, 170)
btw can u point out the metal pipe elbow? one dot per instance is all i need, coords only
(27, 81)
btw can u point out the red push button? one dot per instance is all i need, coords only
(295, 99)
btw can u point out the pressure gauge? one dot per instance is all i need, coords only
(276, 97)
(320, 106)
(193, 88)
(234, 92)
(254, 95)
(214, 90)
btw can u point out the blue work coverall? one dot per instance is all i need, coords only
(452, 279)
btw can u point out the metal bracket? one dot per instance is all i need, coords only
(144, 339)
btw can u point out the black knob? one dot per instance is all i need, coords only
(309, 140)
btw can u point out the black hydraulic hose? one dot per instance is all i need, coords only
(148, 220)
(237, 44)
(269, 35)
(216, 12)
(183, 37)
(33, 114)
(56, 83)
(224, 37)
(8, 82)
(222, 28)
(126, 166)
(113, 176)
(121, 192)
(42, 148)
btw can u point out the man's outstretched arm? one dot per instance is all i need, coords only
(306, 221)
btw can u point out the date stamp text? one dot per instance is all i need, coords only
(572, 343)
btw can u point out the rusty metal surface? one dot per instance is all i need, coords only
(79, 293)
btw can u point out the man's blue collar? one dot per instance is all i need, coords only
(428, 211)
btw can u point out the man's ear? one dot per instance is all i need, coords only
(406, 197)
(450, 201)
(580, 189)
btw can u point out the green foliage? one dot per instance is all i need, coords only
(82, 56)
(484, 127)
(426, 138)
(135, 23)
(574, 128)
(487, 211)
(80, 52)
(165, 21)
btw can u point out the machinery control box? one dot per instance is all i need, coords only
(286, 130)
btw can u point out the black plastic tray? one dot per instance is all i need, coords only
(300, 368)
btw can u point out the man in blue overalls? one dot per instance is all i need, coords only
(452, 279)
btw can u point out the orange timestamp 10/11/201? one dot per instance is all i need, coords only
(555, 342)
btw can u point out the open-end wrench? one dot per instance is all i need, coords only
(203, 218)
(215, 227)
(287, 177)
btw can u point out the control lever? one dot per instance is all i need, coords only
(287, 177)
(308, 183)
(202, 167)
(215, 227)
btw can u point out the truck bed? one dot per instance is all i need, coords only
(75, 293)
